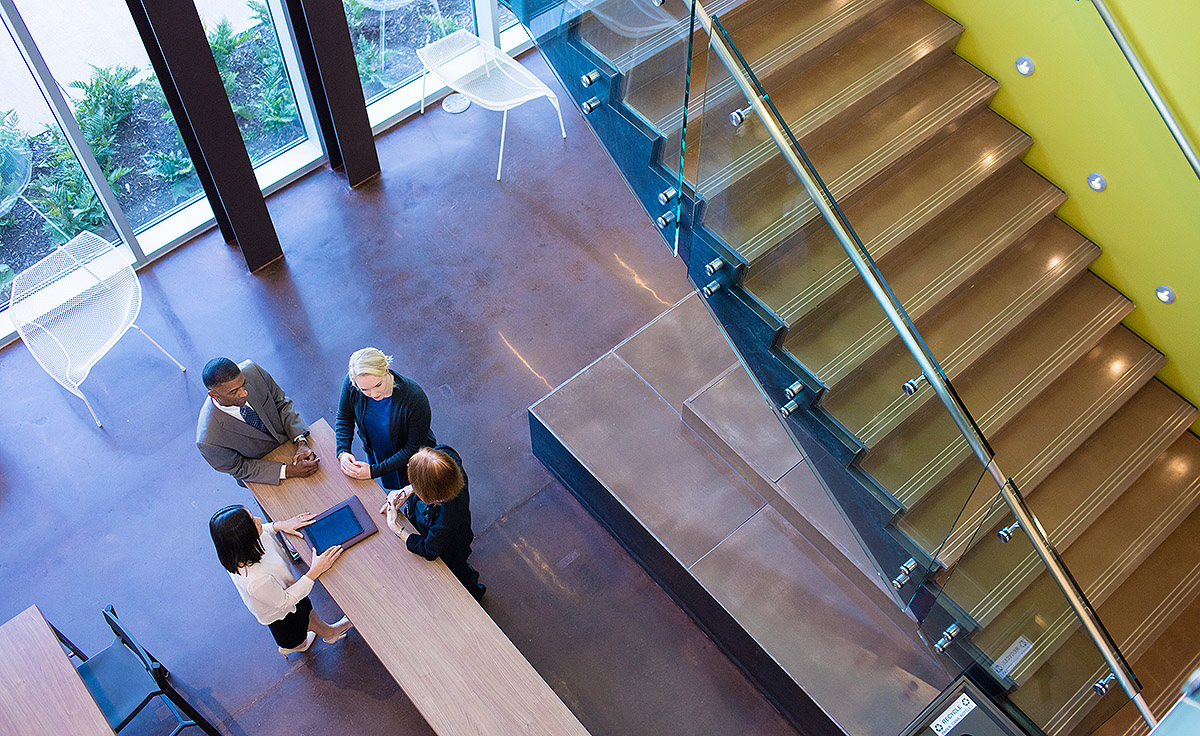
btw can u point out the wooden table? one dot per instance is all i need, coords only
(448, 656)
(41, 694)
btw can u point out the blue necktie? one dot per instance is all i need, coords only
(253, 419)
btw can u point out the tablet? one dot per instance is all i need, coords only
(347, 524)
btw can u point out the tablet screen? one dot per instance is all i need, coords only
(333, 529)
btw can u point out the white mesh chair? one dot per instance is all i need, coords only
(73, 305)
(485, 75)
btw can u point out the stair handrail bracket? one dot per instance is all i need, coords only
(1143, 76)
(863, 264)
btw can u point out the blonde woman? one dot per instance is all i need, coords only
(392, 416)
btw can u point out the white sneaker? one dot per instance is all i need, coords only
(308, 642)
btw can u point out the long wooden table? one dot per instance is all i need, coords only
(448, 656)
(41, 694)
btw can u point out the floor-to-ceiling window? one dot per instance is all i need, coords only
(147, 194)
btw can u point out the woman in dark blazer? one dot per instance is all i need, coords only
(438, 504)
(392, 416)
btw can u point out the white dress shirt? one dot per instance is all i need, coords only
(268, 587)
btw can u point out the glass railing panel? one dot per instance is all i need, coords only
(922, 454)
(751, 198)
(1024, 631)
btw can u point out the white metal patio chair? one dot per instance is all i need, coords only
(485, 75)
(72, 306)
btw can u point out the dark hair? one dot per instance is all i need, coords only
(235, 537)
(434, 475)
(218, 371)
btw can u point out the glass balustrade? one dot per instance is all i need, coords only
(834, 239)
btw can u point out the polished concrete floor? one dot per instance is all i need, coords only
(488, 295)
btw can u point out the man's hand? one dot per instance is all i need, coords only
(293, 525)
(303, 451)
(300, 468)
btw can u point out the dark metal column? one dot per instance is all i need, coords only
(323, 38)
(175, 41)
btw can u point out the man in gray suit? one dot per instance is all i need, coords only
(247, 416)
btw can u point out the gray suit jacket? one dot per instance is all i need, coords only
(232, 446)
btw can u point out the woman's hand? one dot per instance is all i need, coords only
(322, 562)
(391, 507)
(293, 525)
(353, 468)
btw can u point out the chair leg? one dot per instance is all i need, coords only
(160, 347)
(503, 128)
(424, 74)
(561, 127)
(191, 713)
(89, 406)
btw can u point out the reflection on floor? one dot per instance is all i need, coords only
(487, 295)
(672, 429)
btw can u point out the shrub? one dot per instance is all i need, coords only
(15, 162)
(441, 25)
(68, 201)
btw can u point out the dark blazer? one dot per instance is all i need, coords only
(232, 446)
(443, 529)
(408, 423)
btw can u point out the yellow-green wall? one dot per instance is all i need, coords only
(1087, 112)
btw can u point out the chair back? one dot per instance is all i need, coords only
(73, 305)
(150, 663)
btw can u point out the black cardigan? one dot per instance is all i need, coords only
(408, 423)
(443, 529)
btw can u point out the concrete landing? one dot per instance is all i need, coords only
(667, 442)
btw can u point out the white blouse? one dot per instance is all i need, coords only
(268, 587)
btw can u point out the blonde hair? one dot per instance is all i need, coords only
(369, 362)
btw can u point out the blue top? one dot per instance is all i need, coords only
(379, 439)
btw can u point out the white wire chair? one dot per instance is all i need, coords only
(72, 306)
(485, 75)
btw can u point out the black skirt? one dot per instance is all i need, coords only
(291, 630)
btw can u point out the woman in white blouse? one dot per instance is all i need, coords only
(249, 552)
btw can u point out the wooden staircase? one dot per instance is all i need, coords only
(933, 182)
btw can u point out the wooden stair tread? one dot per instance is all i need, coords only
(990, 574)
(1027, 448)
(993, 384)
(1036, 441)
(1103, 558)
(850, 327)
(812, 264)
(764, 196)
(1134, 615)
(829, 94)
(768, 41)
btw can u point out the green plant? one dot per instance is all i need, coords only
(175, 167)
(223, 41)
(67, 200)
(273, 105)
(110, 93)
(15, 162)
(355, 15)
(440, 25)
(370, 66)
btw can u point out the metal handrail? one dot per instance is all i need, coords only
(1143, 76)
(966, 425)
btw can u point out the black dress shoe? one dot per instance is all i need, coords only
(479, 591)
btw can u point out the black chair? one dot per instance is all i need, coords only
(123, 678)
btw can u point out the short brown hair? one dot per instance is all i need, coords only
(434, 475)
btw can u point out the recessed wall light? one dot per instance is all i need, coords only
(1024, 66)
(1097, 182)
(1165, 294)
